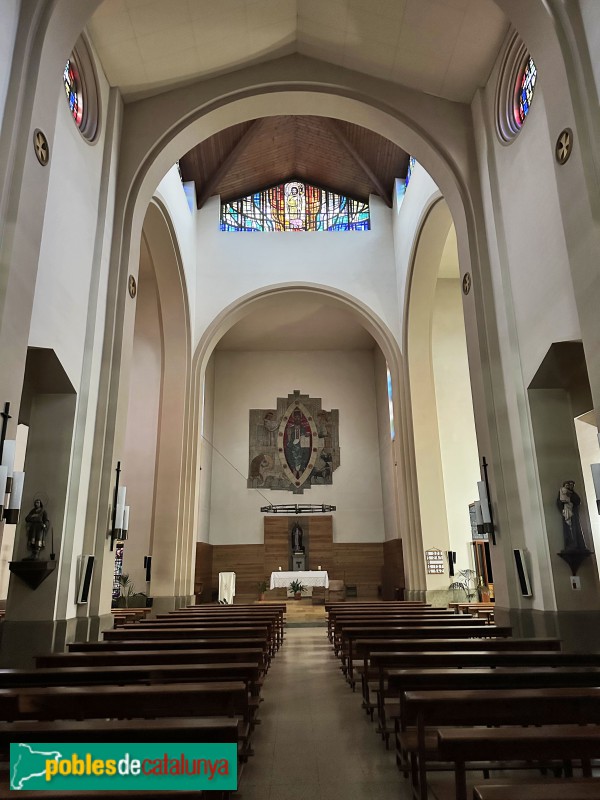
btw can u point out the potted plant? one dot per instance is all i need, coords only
(297, 588)
(468, 583)
(129, 598)
(262, 587)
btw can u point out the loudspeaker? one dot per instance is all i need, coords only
(451, 562)
(522, 573)
(148, 567)
(86, 568)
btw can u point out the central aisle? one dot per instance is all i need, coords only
(314, 741)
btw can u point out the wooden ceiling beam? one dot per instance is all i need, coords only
(341, 137)
(228, 162)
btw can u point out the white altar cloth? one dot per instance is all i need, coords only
(227, 587)
(307, 578)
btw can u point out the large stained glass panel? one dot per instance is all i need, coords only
(295, 206)
(525, 88)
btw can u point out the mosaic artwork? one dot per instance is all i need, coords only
(294, 446)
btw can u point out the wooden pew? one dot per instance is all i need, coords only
(434, 616)
(353, 633)
(143, 673)
(219, 621)
(365, 647)
(167, 644)
(551, 742)
(403, 680)
(218, 698)
(429, 709)
(572, 789)
(241, 619)
(141, 656)
(278, 609)
(202, 628)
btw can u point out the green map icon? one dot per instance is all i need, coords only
(27, 763)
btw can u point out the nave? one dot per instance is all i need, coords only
(313, 741)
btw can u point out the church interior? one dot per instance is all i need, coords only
(396, 406)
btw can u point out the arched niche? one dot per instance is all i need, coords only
(397, 507)
(439, 403)
(154, 460)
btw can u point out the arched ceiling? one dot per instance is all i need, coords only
(442, 47)
(297, 322)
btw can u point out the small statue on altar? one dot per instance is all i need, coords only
(37, 527)
(568, 502)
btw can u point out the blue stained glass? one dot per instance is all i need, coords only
(525, 89)
(411, 165)
(391, 405)
(295, 206)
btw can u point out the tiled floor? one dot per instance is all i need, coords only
(314, 741)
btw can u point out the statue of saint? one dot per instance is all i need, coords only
(568, 502)
(37, 527)
(297, 533)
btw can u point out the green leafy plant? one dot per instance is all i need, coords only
(297, 587)
(469, 583)
(262, 586)
(129, 598)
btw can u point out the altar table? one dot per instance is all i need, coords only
(307, 578)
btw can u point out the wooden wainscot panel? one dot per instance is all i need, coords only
(321, 542)
(203, 572)
(359, 564)
(246, 560)
(277, 548)
(393, 569)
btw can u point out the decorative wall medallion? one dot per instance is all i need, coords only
(564, 146)
(466, 283)
(132, 286)
(41, 147)
(295, 446)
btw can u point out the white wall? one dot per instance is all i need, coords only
(60, 307)
(589, 450)
(343, 380)
(170, 191)
(387, 447)
(456, 425)
(9, 19)
(536, 253)
(207, 455)
(360, 263)
(139, 461)
(590, 12)
(407, 221)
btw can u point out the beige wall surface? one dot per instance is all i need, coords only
(343, 380)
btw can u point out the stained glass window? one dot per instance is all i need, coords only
(295, 206)
(411, 165)
(391, 405)
(74, 92)
(525, 89)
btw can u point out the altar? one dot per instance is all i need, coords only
(282, 580)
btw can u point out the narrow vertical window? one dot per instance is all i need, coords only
(391, 405)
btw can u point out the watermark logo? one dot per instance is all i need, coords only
(123, 766)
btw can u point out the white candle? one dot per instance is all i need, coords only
(8, 455)
(484, 502)
(3, 478)
(319, 567)
(279, 569)
(119, 518)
